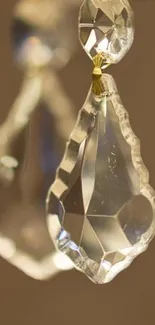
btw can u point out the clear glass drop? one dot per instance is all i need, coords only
(100, 206)
(106, 26)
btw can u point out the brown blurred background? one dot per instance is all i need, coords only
(70, 298)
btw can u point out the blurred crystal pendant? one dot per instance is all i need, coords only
(39, 42)
(101, 207)
(24, 182)
(32, 137)
(24, 237)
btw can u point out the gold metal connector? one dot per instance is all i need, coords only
(97, 85)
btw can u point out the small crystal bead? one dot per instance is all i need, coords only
(106, 26)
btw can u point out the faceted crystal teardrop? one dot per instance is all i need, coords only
(101, 208)
(106, 26)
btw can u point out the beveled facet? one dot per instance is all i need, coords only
(106, 26)
(100, 206)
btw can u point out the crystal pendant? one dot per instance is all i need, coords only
(101, 207)
(106, 26)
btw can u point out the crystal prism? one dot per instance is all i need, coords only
(106, 26)
(100, 206)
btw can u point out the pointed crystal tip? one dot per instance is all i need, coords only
(106, 26)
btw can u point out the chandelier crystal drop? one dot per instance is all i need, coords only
(101, 208)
